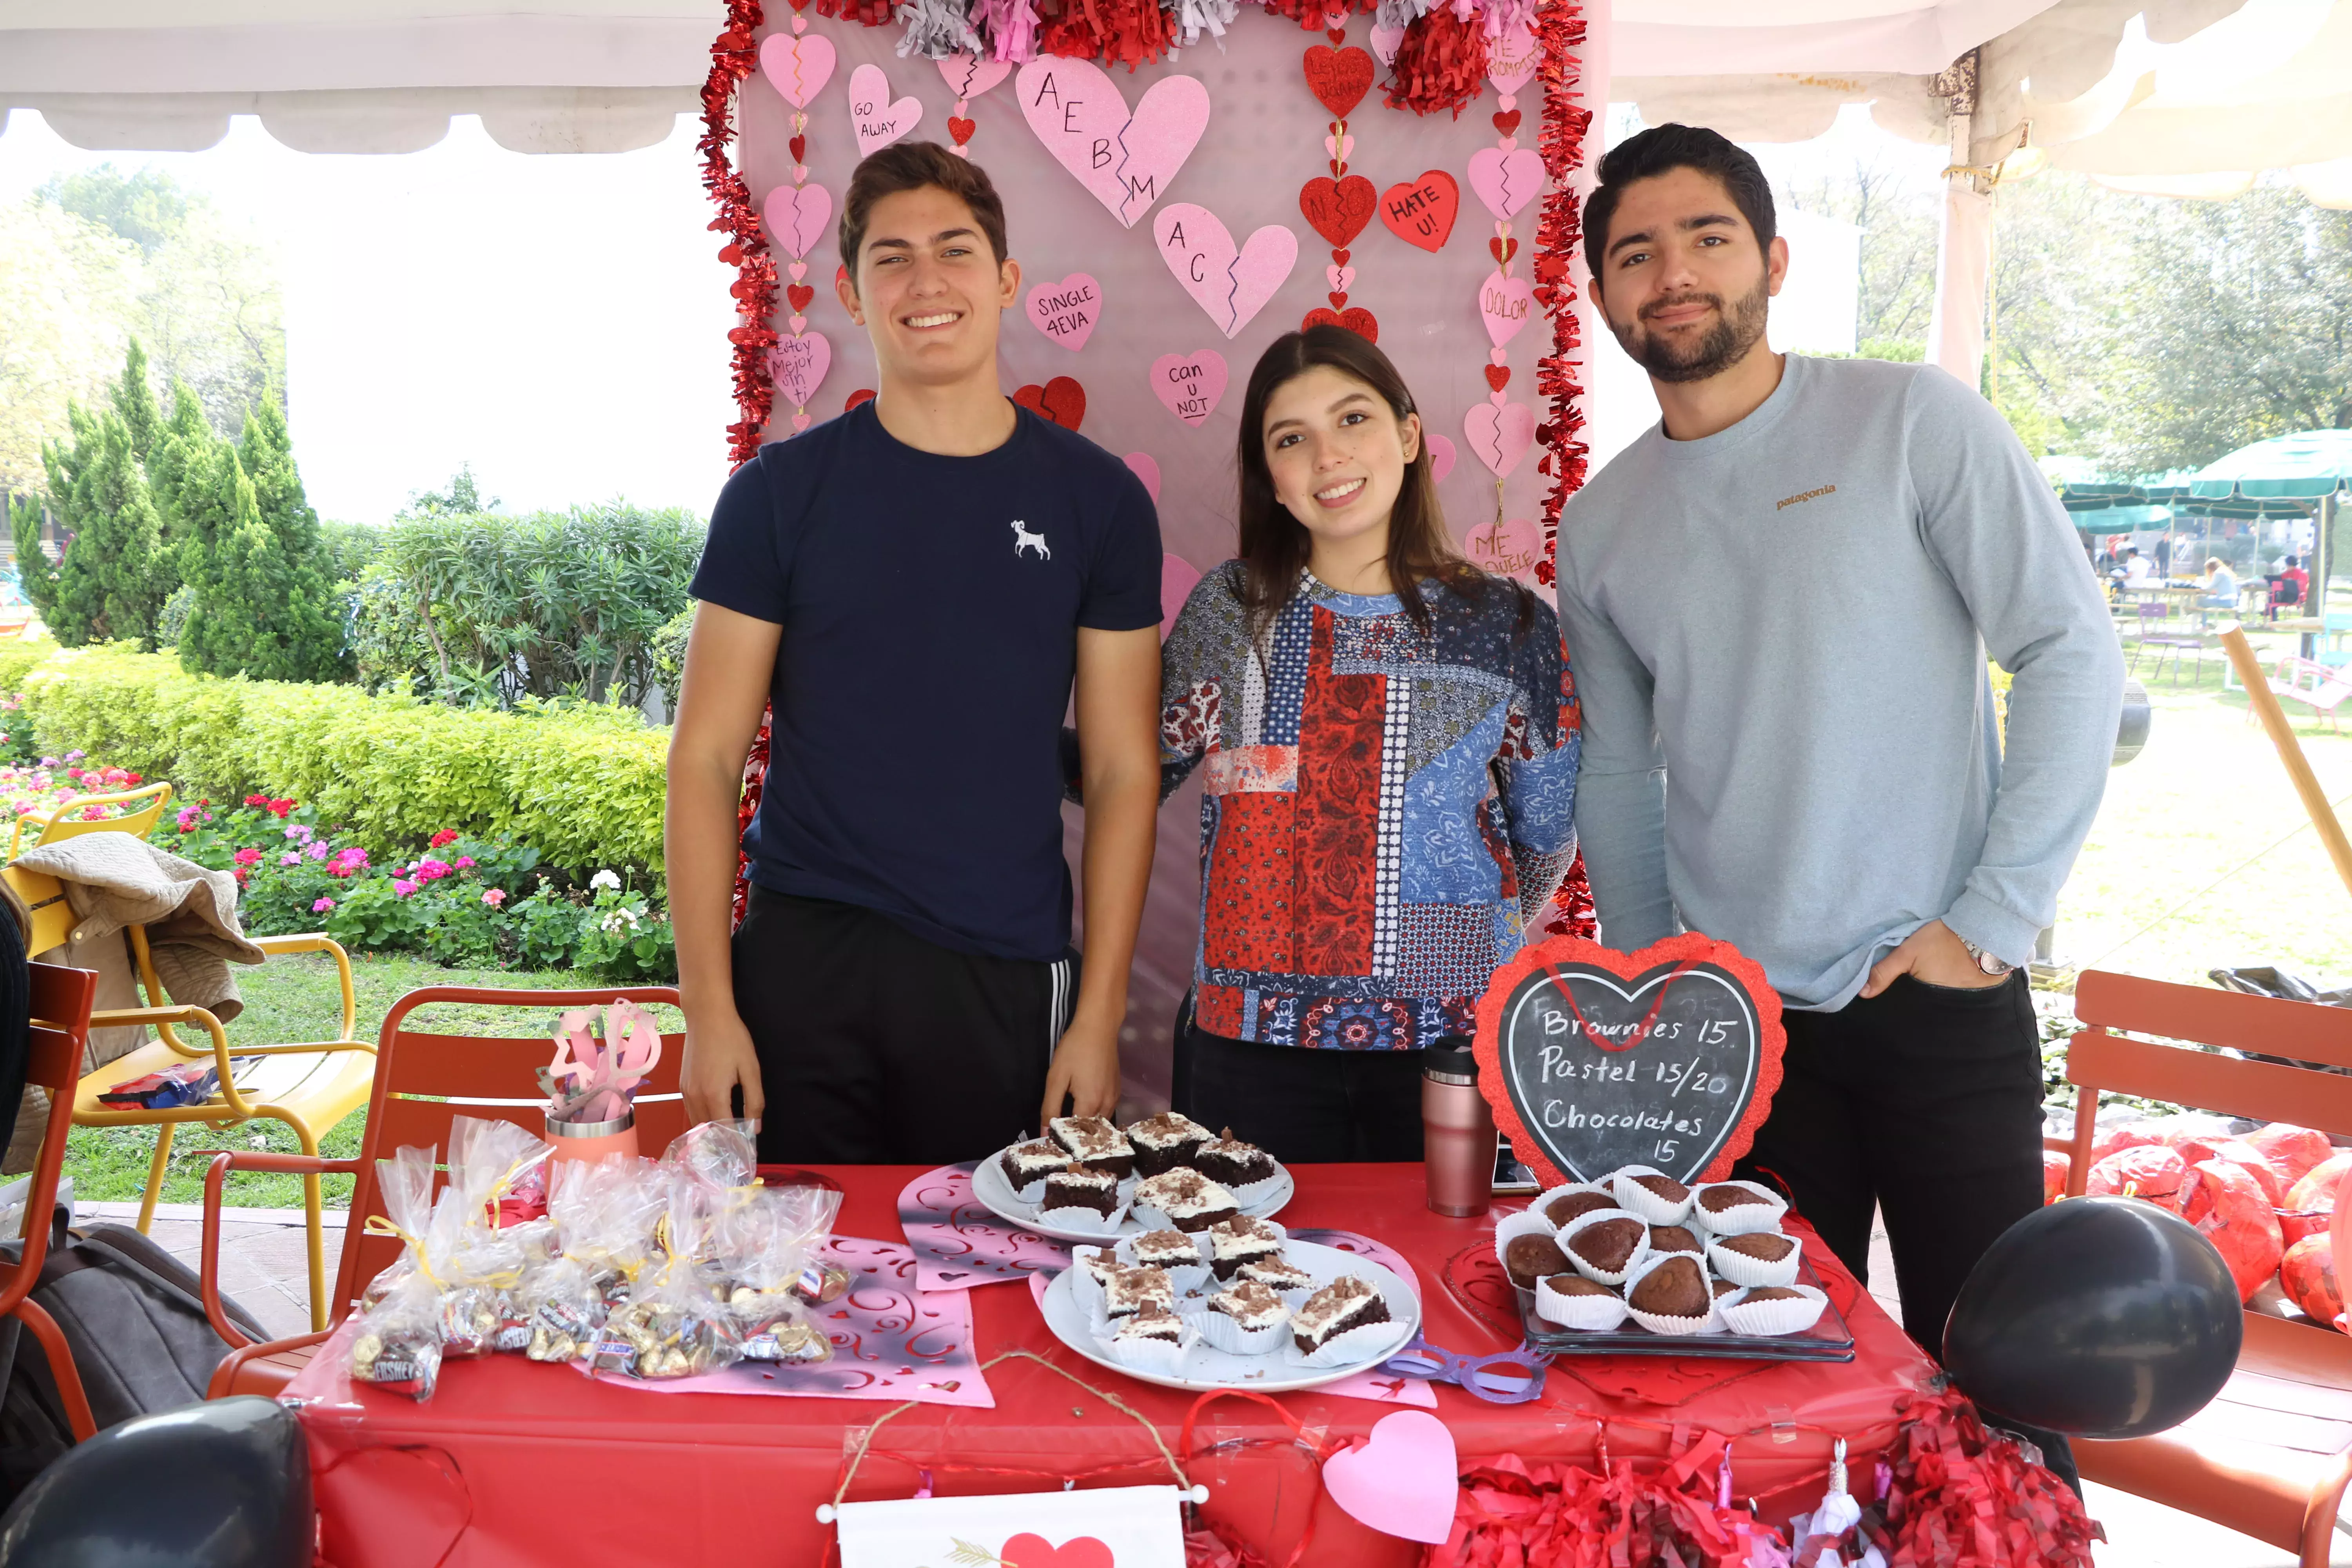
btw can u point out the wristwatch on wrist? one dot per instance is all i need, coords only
(1986, 961)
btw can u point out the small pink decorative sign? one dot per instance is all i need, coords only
(797, 214)
(1504, 304)
(958, 1243)
(1507, 180)
(1189, 384)
(1512, 58)
(1402, 1481)
(1066, 312)
(1507, 546)
(1177, 578)
(1500, 434)
(1126, 162)
(878, 119)
(969, 76)
(797, 365)
(1231, 282)
(798, 68)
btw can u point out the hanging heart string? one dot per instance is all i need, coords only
(798, 65)
(1339, 204)
(968, 74)
(1506, 177)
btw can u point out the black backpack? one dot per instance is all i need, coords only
(134, 1320)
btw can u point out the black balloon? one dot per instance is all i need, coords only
(219, 1485)
(2098, 1317)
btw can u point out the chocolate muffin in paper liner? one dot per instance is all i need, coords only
(1746, 1259)
(1670, 1295)
(1606, 1245)
(1572, 1301)
(1650, 1195)
(1774, 1309)
(1562, 1205)
(1737, 1207)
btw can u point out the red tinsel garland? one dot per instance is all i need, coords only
(1314, 16)
(1439, 63)
(1115, 32)
(1560, 232)
(873, 13)
(1964, 1498)
(734, 55)
(1509, 1515)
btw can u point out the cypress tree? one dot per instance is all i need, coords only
(134, 400)
(259, 601)
(115, 576)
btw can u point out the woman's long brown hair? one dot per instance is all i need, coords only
(1275, 545)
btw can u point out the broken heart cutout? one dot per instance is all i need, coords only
(1337, 209)
(1355, 317)
(1507, 182)
(1230, 283)
(796, 216)
(798, 68)
(1076, 110)
(1500, 436)
(1061, 400)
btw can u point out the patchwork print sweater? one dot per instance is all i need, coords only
(1384, 810)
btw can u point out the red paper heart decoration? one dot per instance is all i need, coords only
(1338, 209)
(1061, 400)
(799, 294)
(961, 129)
(1422, 211)
(1339, 78)
(1498, 376)
(1339, 257)
(1501, 250)
(863, 394)
(1507, 121)
(1337, 35)
(799, 144)
(1338, 302)
(1355, 317)
(1036, 1552)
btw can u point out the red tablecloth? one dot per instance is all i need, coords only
(513, 1463)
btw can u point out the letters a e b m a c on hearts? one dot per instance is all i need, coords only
(1231, 282)
(1126, 160)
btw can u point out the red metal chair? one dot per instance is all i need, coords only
(2272, 1456)
(423, 1082)
(62, 999)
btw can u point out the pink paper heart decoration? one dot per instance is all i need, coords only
(1177, 580)
(1145, 466)
(797, 68)
(1512, 58)
(1230, 284)
(1506, 547)
(1441, 454)
(1385, 41)
(797, 366)
(1341, 278)
(969, 76)
(1066, 312)
(1404, 1481)
(1126, 162)
(1341, 147)
(1189, 384)
(1504, 304)
(1507, 182)
(1500, 436)
(796, 216)
(879, 120)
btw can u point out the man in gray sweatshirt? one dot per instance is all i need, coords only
(1779, 603)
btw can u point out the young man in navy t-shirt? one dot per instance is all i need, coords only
(914, 588)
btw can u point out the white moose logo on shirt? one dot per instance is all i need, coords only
(1024, 540)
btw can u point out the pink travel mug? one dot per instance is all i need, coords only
(1457, 1133)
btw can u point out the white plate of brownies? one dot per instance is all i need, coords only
(1087, 1180)
(1362, 1311)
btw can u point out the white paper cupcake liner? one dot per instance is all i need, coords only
(1183, 1276)
(1641, 1201)
(1744, 1271)
(1293, 1297)
(1511, 1226)
(1151, 1218)
(1742, 1218)
(1160, 1356)
(1086, 1222)
(1544, 1199)
(1697, 1249)
(1774, 1317)
(1367, 1341)
(1658, 1323)
(1084, 1289)
(1601, 1276)
(1590, 1313)
(1227, 1335)
(1209, 1248)
(1030, 1193)
(1251, 1193)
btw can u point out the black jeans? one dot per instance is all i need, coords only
(1303, 1107)
(878, 1047)
(1925, 1103)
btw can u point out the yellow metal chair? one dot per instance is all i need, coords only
(310, 1086)
(55, 823)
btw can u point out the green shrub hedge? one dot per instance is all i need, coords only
(582, 785)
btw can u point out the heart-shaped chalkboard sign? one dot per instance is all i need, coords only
(1593, 1059)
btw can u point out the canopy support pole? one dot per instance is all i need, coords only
(1964, 245)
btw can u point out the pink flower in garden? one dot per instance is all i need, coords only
(431, 870)
(247, 856)
(494, 897)
(319, 850)
(463, 862)
(299, 833)
(402, 886)
(289, 858)
(93, 813)
(447, 836)
(352, 860)
(188, 817)
(322, 906)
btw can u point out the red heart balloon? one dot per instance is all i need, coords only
(1501, 250)
(1061, 400)
(1422, 211)
(1338, 78)
(1338, 209)
(1355, 317)
(863, 394)
(1036, 1552)
(961, 129)
(1498, 376)
(1507, 121)
(799, 294)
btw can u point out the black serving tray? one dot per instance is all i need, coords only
(1829, 1338)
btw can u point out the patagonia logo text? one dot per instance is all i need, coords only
(1808, 495)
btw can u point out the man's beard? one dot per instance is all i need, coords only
(1736, 330)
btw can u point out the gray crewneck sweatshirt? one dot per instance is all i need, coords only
(1779, 633)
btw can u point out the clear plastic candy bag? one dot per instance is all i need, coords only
(670, 1326)
(721, 1155)
(398, 1345)
(602, 1217)
(767, 1245)
(478, 1265)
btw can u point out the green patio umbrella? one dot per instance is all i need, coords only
(2303, 470)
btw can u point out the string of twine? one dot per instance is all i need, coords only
(1183, 1482)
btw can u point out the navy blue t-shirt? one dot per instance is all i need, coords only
(930, 607)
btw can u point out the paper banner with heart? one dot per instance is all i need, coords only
(1507, 182)
(1500, 436)
(1512, 58)
(797, 366)
(1066, 312)
(1504, 304)
(1422, 211)
(879, 118)
(1145, 466)
(1061, 400)
(798, 68)
(1189, 384)
(1404, 1481)
(1509, 547)
(1337, 209)
(1232, 284)
(969, 76)
(1126, 162)
(1177, 578)
(797, 214)
(1338, 78)
(1441, 454)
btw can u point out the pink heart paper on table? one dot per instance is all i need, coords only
(1232, 284)
(1504, 304)
(797, 214)
(1145, 466)
(879, 120)
(1506, 546)
(1500, 436)
(1512, 58)
(1404, 1481)
(1441, 455)
(797, 366)
(1507, 182)
(797, 68)
(1189, 384)
(1126, 160)
(1177, 580)
(1066, 312)
(969, 76)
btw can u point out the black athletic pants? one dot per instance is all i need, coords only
(1303, 1107)
(1925, 1103)
(878, 1047)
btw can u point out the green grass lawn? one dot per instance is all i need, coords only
(295, 998)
